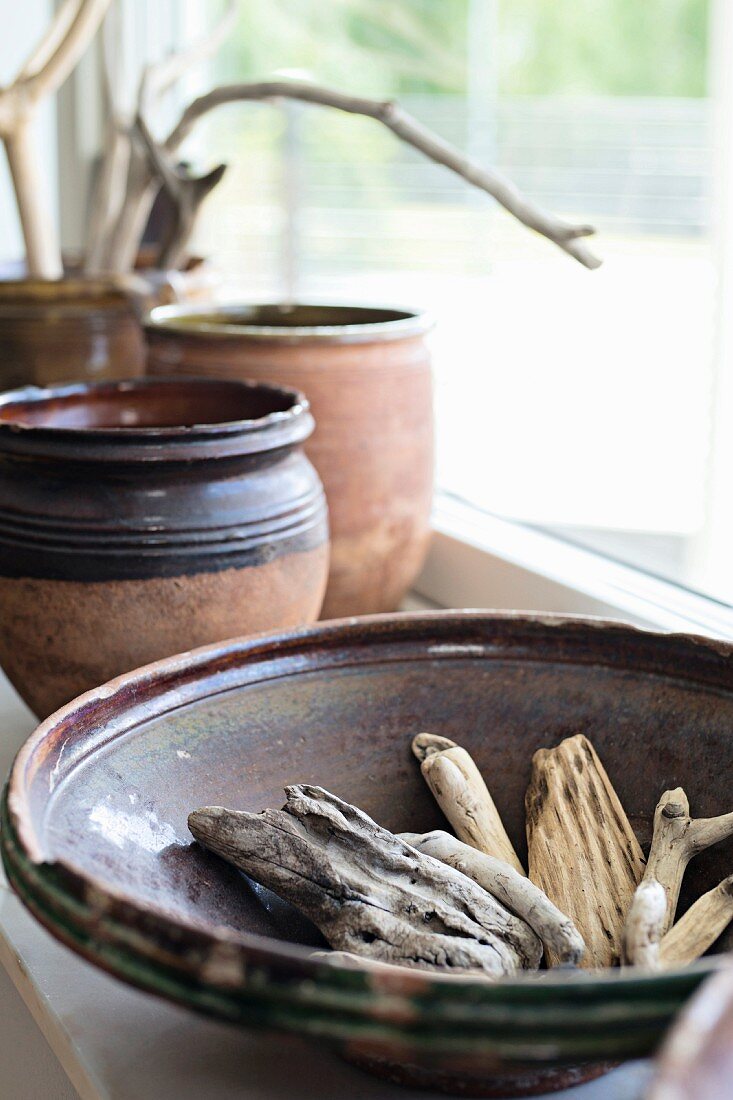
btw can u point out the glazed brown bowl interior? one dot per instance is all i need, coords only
(145, 404)
(337, 706)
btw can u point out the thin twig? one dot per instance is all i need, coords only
(409, 130)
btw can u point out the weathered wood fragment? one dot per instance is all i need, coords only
(514, 890)
(582, 850)
(700, 926)
(368, 891)
(644, 923)
(461, 793)
(677, 838)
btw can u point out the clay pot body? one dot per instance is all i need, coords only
(57, 330)
(139, 519)
(366, 373)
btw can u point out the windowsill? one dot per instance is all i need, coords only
(480, 560)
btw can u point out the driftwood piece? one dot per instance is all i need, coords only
(700, 926)
(407, 129)
(696, 1061)
(644, 924)
(186, 193)
(368, 891)
(582, 849)
(514, 890)
(68, 35)
(113, 240)
(677, 838)
(460, 791)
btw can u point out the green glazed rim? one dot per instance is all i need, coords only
(542, 1018)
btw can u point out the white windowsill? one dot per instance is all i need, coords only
(479, 560)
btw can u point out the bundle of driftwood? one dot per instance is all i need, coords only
(465, 902)
(138, 160)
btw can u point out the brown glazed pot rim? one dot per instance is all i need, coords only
(72, 293)
(314, 322)
(149, 691)
(287, 424)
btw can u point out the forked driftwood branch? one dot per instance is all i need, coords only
(513, 889)
(368, 891)
(462, 794)
(186, 193)
(68, 36)
(567, 236)
(677, 838)
(582, 849)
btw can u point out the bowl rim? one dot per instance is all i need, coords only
(199, 321)
(220, 665)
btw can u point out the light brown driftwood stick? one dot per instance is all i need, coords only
(700, 926)
(368, 891)
(644, 922)
(513, 889)
(460, 791)
(677, 838)
(582, 849)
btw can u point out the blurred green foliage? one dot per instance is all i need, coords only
(545, 47)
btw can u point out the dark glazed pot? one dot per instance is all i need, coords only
(142, 518)
(55, 330)
(366, 372)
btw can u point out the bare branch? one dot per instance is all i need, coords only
(55, 32)
(68, 49)
(566, 236)
(43, 255)
(49, 65)
(185, 191)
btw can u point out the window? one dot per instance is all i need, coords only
(592, 405)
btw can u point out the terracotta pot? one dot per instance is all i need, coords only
(56, 330)
(141, 518)
(366, 373)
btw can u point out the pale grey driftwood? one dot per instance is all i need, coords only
(366, 890)
(508, 886)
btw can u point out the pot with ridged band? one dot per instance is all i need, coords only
(366, 372)
(142, 518)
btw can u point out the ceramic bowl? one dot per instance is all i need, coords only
(144, 517)
(95, 840)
